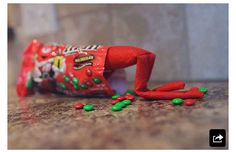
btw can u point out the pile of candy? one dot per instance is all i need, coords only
(118, 102)
(87, 107)
(121, 101)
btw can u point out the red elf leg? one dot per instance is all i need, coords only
(176, 85)
(124, 56)
(193, 93)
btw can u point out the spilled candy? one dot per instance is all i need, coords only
(78, 106)
(189, 102)
(88, 107)
(177, 101)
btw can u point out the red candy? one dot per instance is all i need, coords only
(189, 102)
(78, 106)
(120, 98)
(89, 72)
(115, 101)
(129, 97)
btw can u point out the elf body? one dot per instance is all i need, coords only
(84, 71)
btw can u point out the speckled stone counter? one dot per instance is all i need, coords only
(50, 122)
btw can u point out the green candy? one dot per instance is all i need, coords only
(75, 81)
(127, 102)
(76, 87)
(62, 86)
(115, 96)
(88, 107)
(84, 86)
(29, 84)
(66, 78)
(116, 108)
(177, 101)
(121, 104)
(97, 80)
(203, 90)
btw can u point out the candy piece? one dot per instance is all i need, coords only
(78, 106)
(120, 98)
(88, 107)
(204, 90)
(76, 87)
(122, 105)
(75, 81)
(115, 96)
(127, 102)
(66, 78)
(62, 86)
(115, 101)
(30, 82)
(129, 97)
(177, 101)
(84, 86)
(89, 72)
(116, 108)
(189, 102)
(97, 80)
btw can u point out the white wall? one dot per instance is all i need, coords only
(190, 41)
(208, 41)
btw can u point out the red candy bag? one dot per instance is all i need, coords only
(85, 71)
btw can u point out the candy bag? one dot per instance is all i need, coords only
(87, 71)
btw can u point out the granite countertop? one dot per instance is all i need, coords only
(50, 122)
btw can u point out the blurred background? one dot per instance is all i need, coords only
(190, 40)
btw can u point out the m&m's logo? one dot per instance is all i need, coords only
(84, 58)
(82, 61)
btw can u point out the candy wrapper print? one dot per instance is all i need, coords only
(87, 71)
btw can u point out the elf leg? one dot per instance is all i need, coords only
(141, 82)
(176, 85)
(193, 93)
(122, 56)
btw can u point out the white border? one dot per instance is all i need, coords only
(118, 1)
(3, 79)
(232, 76)
(3, 59)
